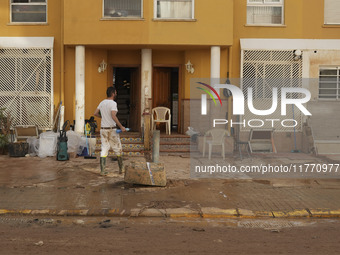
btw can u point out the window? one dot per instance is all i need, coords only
(123, 8)
(29, 11)
(263, 70)
(329, 83)
(26, 85)
(332, 12)
(174, 9)
(264, 12)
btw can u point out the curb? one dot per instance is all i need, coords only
(325, 213)
(47, 212)
(204, 212)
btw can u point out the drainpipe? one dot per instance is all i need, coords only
(62, 66)
(230, 55)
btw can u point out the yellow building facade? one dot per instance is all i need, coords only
(144, 46)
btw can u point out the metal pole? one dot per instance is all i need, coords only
(146, 131)
(155, 146)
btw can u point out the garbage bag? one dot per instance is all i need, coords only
(76, 143)
(73, 141)
(82, 145)
(33, 146)
(47, 144)
(191, 131)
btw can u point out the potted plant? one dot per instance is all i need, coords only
(5, 131)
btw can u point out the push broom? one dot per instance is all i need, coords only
(89, 151)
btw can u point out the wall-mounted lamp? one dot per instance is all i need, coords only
(297, 54)
(189, 67)
(102, 66)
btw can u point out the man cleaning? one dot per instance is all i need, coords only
(107, 111)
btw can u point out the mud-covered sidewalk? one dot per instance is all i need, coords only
(36, 186)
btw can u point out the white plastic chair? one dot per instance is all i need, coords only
(159, 115)
(217, 138)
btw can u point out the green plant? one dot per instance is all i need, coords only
(5, 128)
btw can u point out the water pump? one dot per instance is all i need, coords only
(62, 154)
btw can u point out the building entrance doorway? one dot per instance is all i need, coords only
(165, 92)
(126, 81)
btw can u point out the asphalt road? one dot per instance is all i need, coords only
(89, 235)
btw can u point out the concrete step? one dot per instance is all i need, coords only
(174, 146)
(127, 146)
(327, 147)
(175, 139)
(128, 140)
(174, 150)
(174, 142)
(324, 123)
(179, 148)
(132, 144)
(125, 153)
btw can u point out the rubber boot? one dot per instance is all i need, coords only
(120, 164)
(102, 166)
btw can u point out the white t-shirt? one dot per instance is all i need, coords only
(106, 107)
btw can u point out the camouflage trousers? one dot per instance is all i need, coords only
(110, 139)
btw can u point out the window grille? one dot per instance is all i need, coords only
(329, 83)
(262, 70)
(123, 8)
(332, 12)
(31, 11)
(174, 9)
(264, 12)
(26, 86)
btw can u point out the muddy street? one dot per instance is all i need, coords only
(51, 207)
(92, 235)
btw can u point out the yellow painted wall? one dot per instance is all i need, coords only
(223, 23)
(69, 98)
(224, 63)
(167, 57)
(201, 61)
(95, 83)
(51, 29)
(213, 26)
(171, 58)
(124, 57)
(303, 19)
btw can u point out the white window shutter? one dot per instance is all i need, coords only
(332, 12)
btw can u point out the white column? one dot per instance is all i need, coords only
(215, 64)
(146, 79)
(80, 89)
(215, 58)
(306, 63)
